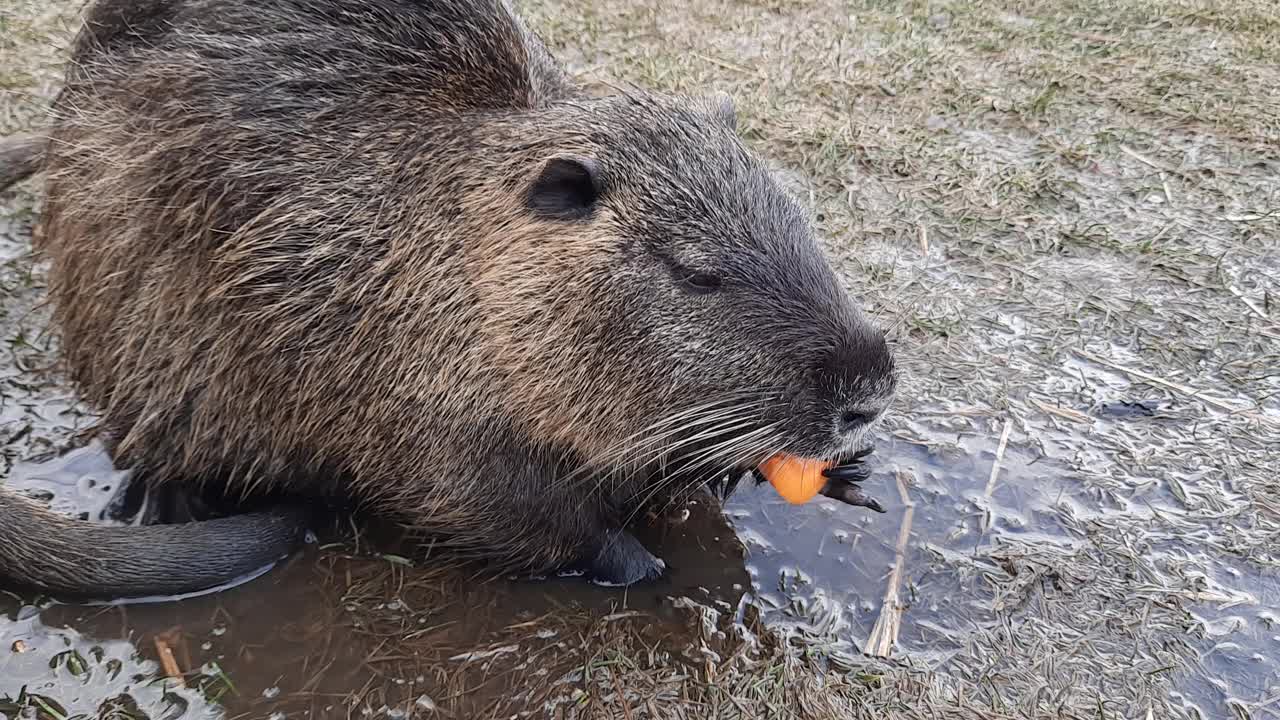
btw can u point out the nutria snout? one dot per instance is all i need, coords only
(859, 378)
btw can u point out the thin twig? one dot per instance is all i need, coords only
(1064, 413)
(995, 466)
(1206, 399)
(1248, 303)
(622, 700)
(1153, 163)
(168, 662)
(885, 633)
(726, 65)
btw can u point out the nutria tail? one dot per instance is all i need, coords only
(43, 551)
(20, 157)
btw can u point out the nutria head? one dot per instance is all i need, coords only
(667, 298)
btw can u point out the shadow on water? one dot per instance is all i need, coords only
(985, 557)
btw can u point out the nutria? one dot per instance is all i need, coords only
(386, 250)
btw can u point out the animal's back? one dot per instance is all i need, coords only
(298, 138)
(272, 56)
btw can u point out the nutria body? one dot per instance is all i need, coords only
(385, 250)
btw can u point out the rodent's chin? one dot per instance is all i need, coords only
(844, 445)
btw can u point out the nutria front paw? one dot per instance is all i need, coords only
(842, 481)
(622, 560)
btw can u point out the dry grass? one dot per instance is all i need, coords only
(1057, 206)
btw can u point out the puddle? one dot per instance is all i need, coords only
(1045, 535)
(327, 626)
(985, 562)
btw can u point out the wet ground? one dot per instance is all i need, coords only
(990, 549)
(1069, 216)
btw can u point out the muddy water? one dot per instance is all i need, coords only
(330, 624)
(981, 551)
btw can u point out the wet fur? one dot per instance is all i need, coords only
(44, 551)
(294, 252)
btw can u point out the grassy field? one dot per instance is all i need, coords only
(1068, 212)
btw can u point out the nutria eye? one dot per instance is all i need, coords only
(701, 283)
(566, 189)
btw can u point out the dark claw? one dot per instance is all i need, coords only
(727, 484)
(851, 468)
(847, 473)
(851, 495)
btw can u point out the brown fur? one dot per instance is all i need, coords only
(293, 249)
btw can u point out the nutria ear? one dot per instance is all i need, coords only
(566, 188)
(720, 106)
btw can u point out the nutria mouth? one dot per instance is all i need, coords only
(846, 467)
(849, 469)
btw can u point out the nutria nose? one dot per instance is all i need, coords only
(853, 419)
(858, 379)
